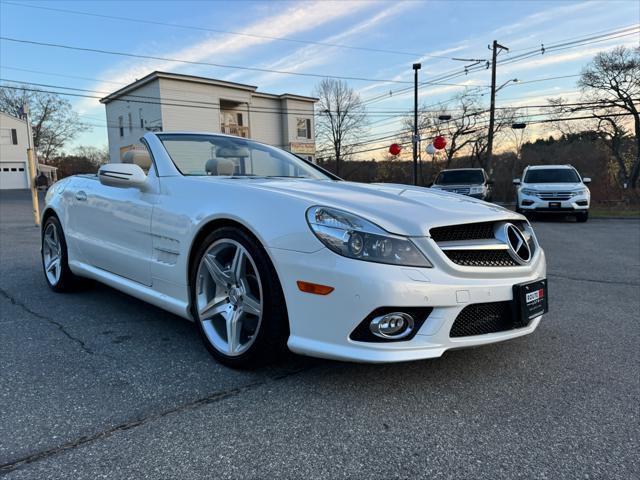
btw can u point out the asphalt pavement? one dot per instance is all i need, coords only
(96, 384)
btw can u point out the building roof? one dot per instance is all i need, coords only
(4, 114)
(195, 79)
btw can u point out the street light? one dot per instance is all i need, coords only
(514, 80)
(416, 138)
(492, 108)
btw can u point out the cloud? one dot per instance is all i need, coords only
(544, 16)
(292, 21)
(313, 55)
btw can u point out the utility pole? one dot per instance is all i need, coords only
(416, 137)
(31, 164)
(492, 110)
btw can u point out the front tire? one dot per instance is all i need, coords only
(237, 301)
(55, 258)
(582, 217)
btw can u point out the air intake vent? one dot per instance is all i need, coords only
(483, 318)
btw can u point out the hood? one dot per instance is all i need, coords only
(400, 209)
(553, 187)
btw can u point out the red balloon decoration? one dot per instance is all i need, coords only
(395, 149)
(439, 142)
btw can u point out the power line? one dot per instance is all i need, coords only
(621, 28)
(133, 98)
(533, 123)
(560, 45)
(194, 62)
(228, 32)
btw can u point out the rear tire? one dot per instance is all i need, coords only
(55, 262)
(582, 217)
(237, 301)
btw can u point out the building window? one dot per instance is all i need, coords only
(130, 123)
(8, 136)
(141, 119)
(239, 120)
(121, 126)
(303, 127)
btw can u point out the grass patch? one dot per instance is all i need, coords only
(614, 212)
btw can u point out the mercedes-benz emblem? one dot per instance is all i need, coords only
(518, 247)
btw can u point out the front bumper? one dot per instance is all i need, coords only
(532, 203)
(320, 325)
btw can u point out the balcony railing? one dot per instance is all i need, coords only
(235, 130)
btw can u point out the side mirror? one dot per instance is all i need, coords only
(122, 175)
(516, 181)
(586, 180)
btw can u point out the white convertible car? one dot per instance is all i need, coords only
(263, 250)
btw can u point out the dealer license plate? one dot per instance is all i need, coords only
(531, 299)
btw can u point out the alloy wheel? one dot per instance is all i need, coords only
(52, 254)
(229, 297)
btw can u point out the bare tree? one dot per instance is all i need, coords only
(460, 130)
(341, 118)
(614, 77)
(504, 119)
(54, 123)
(612, 130)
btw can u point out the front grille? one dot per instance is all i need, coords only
(555, 195)
(460, 191)
(481, 258)
(480, 244)
(469, 231)
(482, 318)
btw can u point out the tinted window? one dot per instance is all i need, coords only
(228, 156)
(460, 177)
(552, 175)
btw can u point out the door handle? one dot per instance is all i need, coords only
(81, 196)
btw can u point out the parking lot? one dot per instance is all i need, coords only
(96, 384)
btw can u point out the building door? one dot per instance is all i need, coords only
(13, 175)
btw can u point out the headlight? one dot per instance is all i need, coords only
(580, 192)
(354, 237)
(473, 190)
(525, 191)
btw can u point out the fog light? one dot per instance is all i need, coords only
(392, 325)
(527, 202)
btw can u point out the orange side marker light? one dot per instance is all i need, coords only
(314, 288)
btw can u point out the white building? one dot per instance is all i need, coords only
(14, 173)
(173, 102)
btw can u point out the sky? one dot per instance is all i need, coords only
(389, 36)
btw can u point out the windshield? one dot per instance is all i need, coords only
(201, 155)
(451, 177)
(552, 175)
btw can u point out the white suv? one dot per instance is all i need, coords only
(554, 189)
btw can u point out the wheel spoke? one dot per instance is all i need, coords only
(237, 264)
(53, 265)
(213, 308)
(51, 244)
(218, 274)
(251, 305)
(234, 326)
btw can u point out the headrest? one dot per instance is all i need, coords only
(138, 157)
(220, 166)
(211, 167)
(227, 152)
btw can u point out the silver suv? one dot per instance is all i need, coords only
(554, 189)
